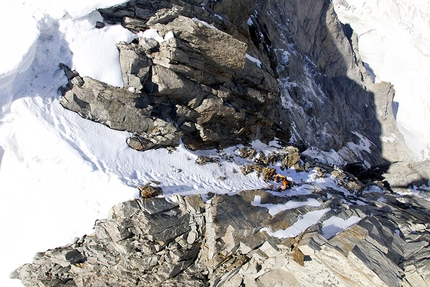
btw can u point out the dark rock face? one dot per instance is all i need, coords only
(324, 86)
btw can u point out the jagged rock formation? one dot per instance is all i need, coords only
(232, 240)
(229, 72)
(196, 85)
(226, 72)
(353, 232)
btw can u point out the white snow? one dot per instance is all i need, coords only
(169, 35)
(364, 143)
(254, 60)
(335, 224)
(300, 225)
(84, 40)
(276, 208)
(152, 34)
(394, 41)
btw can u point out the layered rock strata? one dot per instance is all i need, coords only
(351, 230)
(228, 241)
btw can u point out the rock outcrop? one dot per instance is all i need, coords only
(218, 73)
(213, 75)
(233, 240)
(351, 230)
(195, 83)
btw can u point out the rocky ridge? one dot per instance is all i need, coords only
(241, 240)
(194, 84)
(219, 73)
(212, 76)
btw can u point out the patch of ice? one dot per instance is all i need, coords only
(364, 143)
(249, 22)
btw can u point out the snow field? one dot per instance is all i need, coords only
(394, 41)
(51, 190)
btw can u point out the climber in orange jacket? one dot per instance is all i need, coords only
(285, 182)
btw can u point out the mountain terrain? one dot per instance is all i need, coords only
(401, 30)
(264, 88)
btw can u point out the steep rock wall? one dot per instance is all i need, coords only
(329, 100)
(223, 73)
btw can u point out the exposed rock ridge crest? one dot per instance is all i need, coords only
(222, 242)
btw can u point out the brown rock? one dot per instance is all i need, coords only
(148, 191)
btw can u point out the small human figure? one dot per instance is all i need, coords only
(285, 183)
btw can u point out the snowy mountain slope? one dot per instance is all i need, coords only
(48, 181)
(394, 41)
(59, 172)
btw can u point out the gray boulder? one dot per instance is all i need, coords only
(118, 109)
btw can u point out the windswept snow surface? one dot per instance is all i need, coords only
(335, 224)
(276, 208)
(53, 184)
(394, 41)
